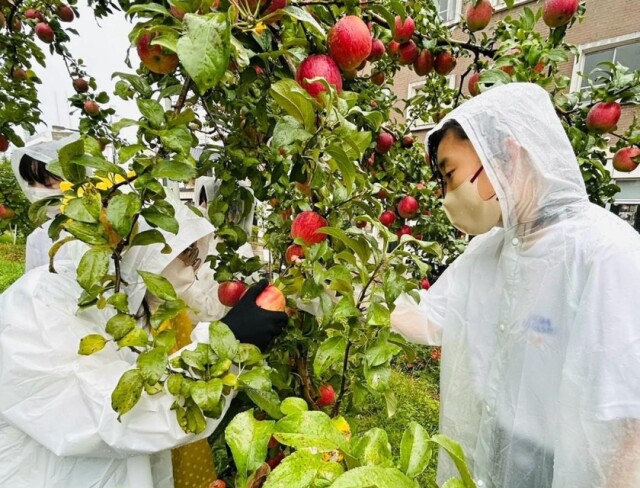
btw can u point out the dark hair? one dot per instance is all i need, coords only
(434, 142)
(34, 171)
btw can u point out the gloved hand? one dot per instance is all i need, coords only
(253, 324)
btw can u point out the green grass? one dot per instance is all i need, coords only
(11, 264)
(417, 394)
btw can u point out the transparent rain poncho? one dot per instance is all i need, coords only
(538, 320)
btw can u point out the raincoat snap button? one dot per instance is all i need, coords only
(501, 326)
(480, 483)
(515, 241)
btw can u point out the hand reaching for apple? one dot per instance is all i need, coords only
(259, 316)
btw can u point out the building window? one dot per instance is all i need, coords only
(413, 90)
(624, 50)
(501, 4)
(628, 212)
(449, 10)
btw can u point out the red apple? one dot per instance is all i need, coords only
(444, 63)
(230, 292)
(393, 48)
(408, 207)
(294, 254)
(539, 67)
(349, 42)
(327, 396)
(65, 13)
(91, 107)
(4, 144)
(318, 65)
(479, 15)
(45, 33)
(177, 12)
(474, 89)
(384, 143)
(378, 78)
(407, 142)
(604, 116)
(425, 284)
(408, 52)
(80, 85)
(387, 218)
(377, 50)
(623, 160)
(403, 31)
(557, 13)
(305, 227)
(16, 25)
(33, 14)
(19, 74)
(6, 213)
(424, 63)
(361, 224)
(272, 299)
(218, 484)
(382, 194)
(404, 230)
(154, 57)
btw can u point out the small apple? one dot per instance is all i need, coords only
(378, 78)
(19, 74)
(230, 292)
(393, 49)
(408, 52)
(65, 13)
(349, 42)
(377, 50)
(154, 57)
(91, 108)
(474, 89)
(604, 116)
(425, 284)
(387, 218)
(6, 213)
(403, 31)
(272, 299)
(557, 13)
(361, 224)
(81, 85)
(404, 230)
(479, 15)
(318, 65)
(423, 63)
(34, 14)
(45, 33)
(4, 144)
(407, 142)
(444, 63)
(305, 227)
(385, 142)
(408, 207)
(294, 254)
(218, 484)
(327, 396)
(623, 160)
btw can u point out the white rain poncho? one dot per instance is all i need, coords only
(57, 427)
(39, 242)
(538, 321)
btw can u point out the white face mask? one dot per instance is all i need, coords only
(468, 212)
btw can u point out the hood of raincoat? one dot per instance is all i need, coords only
(209, 184)
(149, 258)
(45, 152)
(525, 152)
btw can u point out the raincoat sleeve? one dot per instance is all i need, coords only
(62, 399)
(422, 322)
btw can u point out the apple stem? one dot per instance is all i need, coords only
(307, 387)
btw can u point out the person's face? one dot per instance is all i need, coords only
(458, 162)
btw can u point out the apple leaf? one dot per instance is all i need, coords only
(120, 325)
(91, 343)
(415, 450)
(330, 353)
(374, 477)
(158, 285)
(92, 267)
(122, 211)
(298, 470)
(153, 364)
(222, 340)
(373, 448)
(457, 456)
(127, 392)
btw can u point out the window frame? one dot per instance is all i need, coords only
(503, 7)
(457, 14)
(593, 47)
(412, 90)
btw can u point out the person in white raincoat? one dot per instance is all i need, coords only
(57, 427)
(538, 320)
(29, 166)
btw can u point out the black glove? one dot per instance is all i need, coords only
(252, 324)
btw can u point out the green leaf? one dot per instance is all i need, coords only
(158, 285)
(92, 234)
(167, 311)
(248, 439)
(71, 171)
(153, 111)
(136, 338)
(304, 16)
(374, 477)
(373, 448)
(249, 354)
(391, 402)
(378, 377)
(159, 218)
(151, 236)
(91, 343)
(153, 364)
(345, 164)
(120, 325)
(125, 153)
(204, 49)
(119, 302)
(295, 101)
(494, 77)
(393, 286)
(207, 394)
(222, 340)
(310, 429)
(98, 163)
(127, 392)
(122, 124)
(330, 353)
(269, 401)
(137, 82)
(293, 405)
(288, 131)
(453, 483)
(148, 8)
(354, 245)
(256, 378)
(415, 450)
(76, 209)
(381, 353)
(174, 170)
(93, 266)
(122, 211)
(457, 456)
(378, 314)
(178, 139)
(298, 470)
(166, 339)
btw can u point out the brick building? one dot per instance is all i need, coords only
(610, 32)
